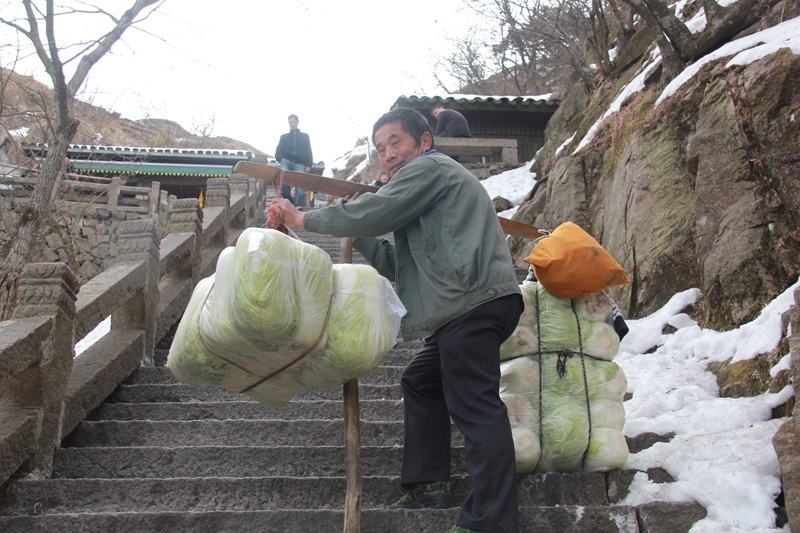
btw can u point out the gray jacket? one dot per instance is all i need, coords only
(450, 254)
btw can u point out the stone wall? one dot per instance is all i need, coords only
(82, 235)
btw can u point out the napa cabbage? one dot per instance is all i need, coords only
(526, 449)
(522, 412)
(607, 450)
(565, 436)
(191, 361)
(520, 375)
(362, 326)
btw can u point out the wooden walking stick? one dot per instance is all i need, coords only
(352, 431)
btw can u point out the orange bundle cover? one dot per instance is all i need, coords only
(570, 263)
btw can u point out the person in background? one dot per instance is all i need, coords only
(294, 153)
(323, 200)
(454, 274)
(381, 181)
(450, 123)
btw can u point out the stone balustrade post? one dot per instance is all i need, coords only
(163, 214)
(187, 217)
(240, 183)
(46, 289)
(139, 241)
(257, 198)
(218, 194)
(113, 193)
(154, 198)
(240, 219)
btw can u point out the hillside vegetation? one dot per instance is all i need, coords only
(27, 108)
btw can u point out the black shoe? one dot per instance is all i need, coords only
(426, 496)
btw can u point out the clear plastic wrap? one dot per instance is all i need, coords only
(553, 318)
(189, 358)
(364, 322)
(567, 389)
(277, 308)
(365, 319)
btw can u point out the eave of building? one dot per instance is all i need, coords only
(215, 156)
(152, 169)
(536, 104)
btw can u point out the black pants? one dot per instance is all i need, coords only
(457, 374)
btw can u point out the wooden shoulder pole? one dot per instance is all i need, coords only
(352, 435)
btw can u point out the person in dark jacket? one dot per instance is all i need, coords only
(454, 274)
(294, 153)
(450, 123)
(381, 181)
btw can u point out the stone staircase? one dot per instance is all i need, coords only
(162, 456)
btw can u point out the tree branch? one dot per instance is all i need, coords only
(106, 43)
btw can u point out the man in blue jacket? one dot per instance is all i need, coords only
(453, 272)
(294, 153)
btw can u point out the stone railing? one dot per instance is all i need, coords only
(490, 149)
(45, 392)
(87, 195)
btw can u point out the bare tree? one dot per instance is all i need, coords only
(537, 45)
(64, 126)
(623, 23)
(466, 65)
(679, 45)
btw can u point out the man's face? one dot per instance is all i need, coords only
(384, 178)
(293, 122)
(436, 112)
(396, 147)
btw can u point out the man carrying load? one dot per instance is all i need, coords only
(454, 274)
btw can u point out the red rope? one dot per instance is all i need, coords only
(275, 214)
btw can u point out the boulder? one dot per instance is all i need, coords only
(501, 204)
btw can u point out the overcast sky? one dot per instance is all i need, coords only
(338, 64)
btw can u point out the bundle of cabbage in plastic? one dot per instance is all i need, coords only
(558, 320)
(581, 429)
(258, 325)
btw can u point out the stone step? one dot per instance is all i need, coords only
(369, 410)
(226, 461)
(202, 393)
(51, 496)
(415, 344)
(160, 375)
(170, 433)
(563, 519)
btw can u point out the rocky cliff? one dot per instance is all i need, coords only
(702, 190)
